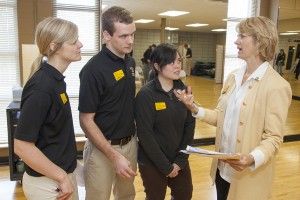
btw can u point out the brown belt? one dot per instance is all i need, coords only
(121, 142)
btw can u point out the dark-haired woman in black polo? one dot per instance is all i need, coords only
(164, 126)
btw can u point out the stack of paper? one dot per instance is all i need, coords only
(203, 152)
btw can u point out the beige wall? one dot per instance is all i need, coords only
(30, 13)
(290, 6)
(289, 24)
(269, 8)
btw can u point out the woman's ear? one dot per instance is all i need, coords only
(52, 46)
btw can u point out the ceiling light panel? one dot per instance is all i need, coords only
(171, 28)
(173, 13)
(144, 21)
(197, 25)
(219, 30)
(288, 33)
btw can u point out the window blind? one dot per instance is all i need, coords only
(86, 15)
(9, 59)
(237, 10)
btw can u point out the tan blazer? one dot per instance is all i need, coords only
(261, 126)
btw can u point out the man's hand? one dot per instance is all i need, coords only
(123, 167)
(66, 188)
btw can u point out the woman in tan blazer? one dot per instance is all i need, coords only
(250, 115)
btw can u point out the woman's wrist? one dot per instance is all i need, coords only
(195, 109)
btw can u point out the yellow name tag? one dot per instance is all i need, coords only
(160, 106)
(118, 74)
(63, 98)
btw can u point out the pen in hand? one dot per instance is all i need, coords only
(195, 102)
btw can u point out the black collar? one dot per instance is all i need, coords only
(52, 70)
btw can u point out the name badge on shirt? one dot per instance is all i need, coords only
(160, 106)
(118, 74)
(63, 97)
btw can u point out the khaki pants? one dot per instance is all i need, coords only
(43, 188)
(100, 174)
(188, 65)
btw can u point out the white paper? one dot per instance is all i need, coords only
(207, 153)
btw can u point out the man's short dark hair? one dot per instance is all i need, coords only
(115, 14)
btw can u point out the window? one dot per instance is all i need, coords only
(86, 15)
(237, 10)
(9, 59)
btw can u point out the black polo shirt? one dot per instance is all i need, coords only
(107, 88)
(164, 126)
(46, 118)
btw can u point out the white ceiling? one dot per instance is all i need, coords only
(201, 11)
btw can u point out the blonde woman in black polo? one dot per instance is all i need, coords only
(44, 137)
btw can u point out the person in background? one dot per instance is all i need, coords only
(164, 126)
(106, 105)
(148, 66)
(250, 115)
(44, 137)
(188, 57)
(280, 61)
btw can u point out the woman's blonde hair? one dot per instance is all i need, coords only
(264, 31)
(52, 30)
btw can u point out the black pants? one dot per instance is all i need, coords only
(155, 183)
(222, 187)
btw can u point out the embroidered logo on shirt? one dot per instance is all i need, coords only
(132, 71)
(118, 74)
(160, 106)
(63, 97)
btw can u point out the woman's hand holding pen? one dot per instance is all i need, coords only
(187, 99)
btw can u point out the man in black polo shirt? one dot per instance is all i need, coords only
(106, 105)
